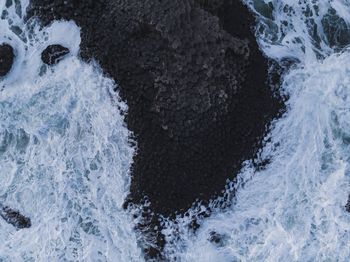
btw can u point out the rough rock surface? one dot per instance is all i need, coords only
(195, 83)
(53, 54)
(6, 59)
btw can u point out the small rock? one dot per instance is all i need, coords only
(15, 218)
(6, 59)
(217, 239)
(53, 54)
(347, 207)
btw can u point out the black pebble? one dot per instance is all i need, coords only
(53, 54)
(6, 59)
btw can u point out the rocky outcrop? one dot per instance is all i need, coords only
(7, 57)
(53, 54)
(195, 83)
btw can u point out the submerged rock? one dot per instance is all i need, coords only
(217, 239)
(15, 218)
(6, 59)
(53, 54)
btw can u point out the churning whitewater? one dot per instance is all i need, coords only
(65, 152)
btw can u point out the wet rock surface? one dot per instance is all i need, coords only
(7, 57)
(53, 54)
(15, 218)
(196, 85)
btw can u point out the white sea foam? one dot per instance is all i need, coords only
(65, 154)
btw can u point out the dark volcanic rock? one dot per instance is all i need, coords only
(6, 59)
(15, 218)
(53, 54)
(195, 83)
